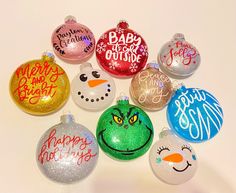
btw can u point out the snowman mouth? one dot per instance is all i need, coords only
(97, 99)
(127, 151)
(182, 170)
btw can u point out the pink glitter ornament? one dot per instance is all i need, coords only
(73, 42)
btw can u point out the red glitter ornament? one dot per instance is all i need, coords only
(121, 51)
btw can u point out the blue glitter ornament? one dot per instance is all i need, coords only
(194, 114)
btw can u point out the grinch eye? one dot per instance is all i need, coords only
(118, 120)
(133, 119)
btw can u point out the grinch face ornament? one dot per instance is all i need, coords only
(124, 131)
(172, 160)
(92, 89)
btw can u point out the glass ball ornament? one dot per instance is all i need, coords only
(124, 131)
(72, 41)
(194, 114)
(178, 58)
(92, 89)
(150, 88)
(172, 159)
(67, 152)
(121, 51)
(40, 87)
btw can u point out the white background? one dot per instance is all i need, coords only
(26, 28)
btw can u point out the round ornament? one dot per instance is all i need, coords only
(178, 58)
(172, 160)
(194, 114)
(124, 131)
(73, 42)
(92, 89)
(67, 152)
(40, 87)
(150, 88)
(121, 51)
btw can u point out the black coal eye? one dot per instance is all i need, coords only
(95, 74)
(83, 77)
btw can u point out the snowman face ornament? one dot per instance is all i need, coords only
(92, 89)
(172, 160)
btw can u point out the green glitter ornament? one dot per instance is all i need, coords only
(124, 131)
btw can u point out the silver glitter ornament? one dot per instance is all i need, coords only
(178, 58)
(67, 152)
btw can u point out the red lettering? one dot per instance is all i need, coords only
(32, 83)
(44, 69)
(184, 51)
(25, 91)
(66, 146)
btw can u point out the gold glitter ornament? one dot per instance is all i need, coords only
(40, 87)
(150, 88)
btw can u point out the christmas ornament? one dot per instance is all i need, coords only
(67, 152)
(124, 131)
(150, 88)
(194, 114)
(40, 87)
(73, 42)
(178, 57)
(172, 160)
(121, 51)
(92, 89)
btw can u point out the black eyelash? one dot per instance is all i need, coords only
(160, 149)
(186, 147)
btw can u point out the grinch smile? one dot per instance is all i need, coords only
(127, 151)
(188, 165)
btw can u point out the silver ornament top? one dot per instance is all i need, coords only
(153, 65)
(165, 132)
(179, 36)
(67, 118)
(86, 66)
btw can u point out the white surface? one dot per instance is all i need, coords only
(26, 28)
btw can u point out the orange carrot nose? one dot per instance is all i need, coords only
(93, 83)
(175, 157)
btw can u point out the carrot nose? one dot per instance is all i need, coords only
(93, 83)
(175, 157)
